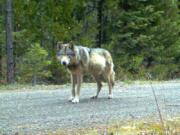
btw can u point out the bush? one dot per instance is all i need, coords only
(34, 64)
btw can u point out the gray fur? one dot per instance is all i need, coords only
(81, 60)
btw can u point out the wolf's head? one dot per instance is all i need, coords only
(66, 53)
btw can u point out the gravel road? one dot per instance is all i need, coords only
(43, 111)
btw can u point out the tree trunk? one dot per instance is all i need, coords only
(9, 42)
(100, 4)
(0, 61)
(179, 6)
(1, 44)
(34, 79)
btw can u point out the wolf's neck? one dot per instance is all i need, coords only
(72, 66)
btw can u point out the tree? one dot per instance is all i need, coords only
(45, 22)
(34, 63)
(100, 21)
(145, 37)
(142, 35)
(1, 38)
(9, 42)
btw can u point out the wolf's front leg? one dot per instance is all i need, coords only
(74, 82)
(79, 81)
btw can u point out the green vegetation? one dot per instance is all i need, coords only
(142, 35)
(146, 38)
(33, 63)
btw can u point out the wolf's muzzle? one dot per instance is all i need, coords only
(64, 63)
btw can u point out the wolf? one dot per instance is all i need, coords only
(80, 60)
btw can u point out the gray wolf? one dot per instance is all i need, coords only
(81, 60)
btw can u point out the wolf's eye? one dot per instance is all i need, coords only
(59, 53)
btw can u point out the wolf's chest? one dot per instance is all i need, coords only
(72, 67)
(77, 68)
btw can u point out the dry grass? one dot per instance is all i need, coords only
(26, 87)
(129, 128)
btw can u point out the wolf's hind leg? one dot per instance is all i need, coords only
(112, 77)
(110, 85)
(99, 86)
(74, 82)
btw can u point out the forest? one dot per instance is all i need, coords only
(143, 37)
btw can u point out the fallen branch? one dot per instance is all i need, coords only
(156, 101)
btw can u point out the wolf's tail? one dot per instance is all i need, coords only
(110, 67)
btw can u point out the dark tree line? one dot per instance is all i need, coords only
(9, 42)
(143, 36)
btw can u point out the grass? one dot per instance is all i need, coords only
(129, 128)
(30, 87)
(22, 87)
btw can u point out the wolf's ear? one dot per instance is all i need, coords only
(59, 45)
(71, 45)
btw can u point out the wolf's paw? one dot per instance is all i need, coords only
(110, 96)
(94, 97)
(75, 100)
(70, 99)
